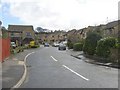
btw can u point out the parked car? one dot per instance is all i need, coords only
(55, 44)
(62, 47)
(13, 45)
(46, 45)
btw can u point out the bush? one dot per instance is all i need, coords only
(104, 46)
(78, 47)
(90, 43)
(118, 45)
(70, 45)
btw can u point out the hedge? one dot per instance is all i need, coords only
(104, 46)
(78, 47)
(70, 45)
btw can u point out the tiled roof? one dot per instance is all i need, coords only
(19, 27)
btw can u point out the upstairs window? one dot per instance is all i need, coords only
(12, 34)
(28, 34)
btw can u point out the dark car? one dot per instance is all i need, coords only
(62, 47)
(46, 45)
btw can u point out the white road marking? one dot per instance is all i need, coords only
(21, 62)
(76, 73)
(54, 58)
(20, 82)
(27, 56)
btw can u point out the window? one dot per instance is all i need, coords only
(12, 34)
(28, 34)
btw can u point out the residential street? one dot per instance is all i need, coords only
(50, 68)
(65, 44)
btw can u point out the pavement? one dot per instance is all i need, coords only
(80, 55)
(13, 68)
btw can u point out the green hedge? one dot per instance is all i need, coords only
(90, 43)
(70, 45)
(78, 47)
(118, 45)
(104, 45)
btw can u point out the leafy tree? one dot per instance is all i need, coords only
(90, 43)
(39, 29)
(4, 32)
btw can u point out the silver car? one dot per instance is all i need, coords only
(62, 47)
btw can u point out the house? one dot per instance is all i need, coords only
(112, 29)
(51, 37)
(21, 34)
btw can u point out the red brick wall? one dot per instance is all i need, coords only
(4, 48)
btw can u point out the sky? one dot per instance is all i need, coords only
(58, 14)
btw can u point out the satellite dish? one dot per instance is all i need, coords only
(0, 23)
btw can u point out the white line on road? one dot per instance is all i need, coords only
(76, 73)
(54, 58)
(27, 56)
(19, 83)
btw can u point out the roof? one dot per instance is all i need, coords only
(112, 24)
(19, 27)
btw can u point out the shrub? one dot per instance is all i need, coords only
(78, 47)
(118, 45)
(90, 43)
(104, 45)
(70, 45)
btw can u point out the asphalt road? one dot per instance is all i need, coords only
(51, 68)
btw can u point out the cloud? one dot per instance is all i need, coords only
(0, 11)
(63, 14)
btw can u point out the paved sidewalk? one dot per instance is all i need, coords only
(80, 55)
(74, 53)
(13, 69)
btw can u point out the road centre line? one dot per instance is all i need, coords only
(54, 58)
(75, 73)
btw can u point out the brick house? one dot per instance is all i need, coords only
(22, 34)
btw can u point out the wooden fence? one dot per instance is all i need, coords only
(4, 48)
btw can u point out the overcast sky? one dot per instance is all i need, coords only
(58, 14)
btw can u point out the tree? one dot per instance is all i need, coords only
(90, 43)
(39, 29)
